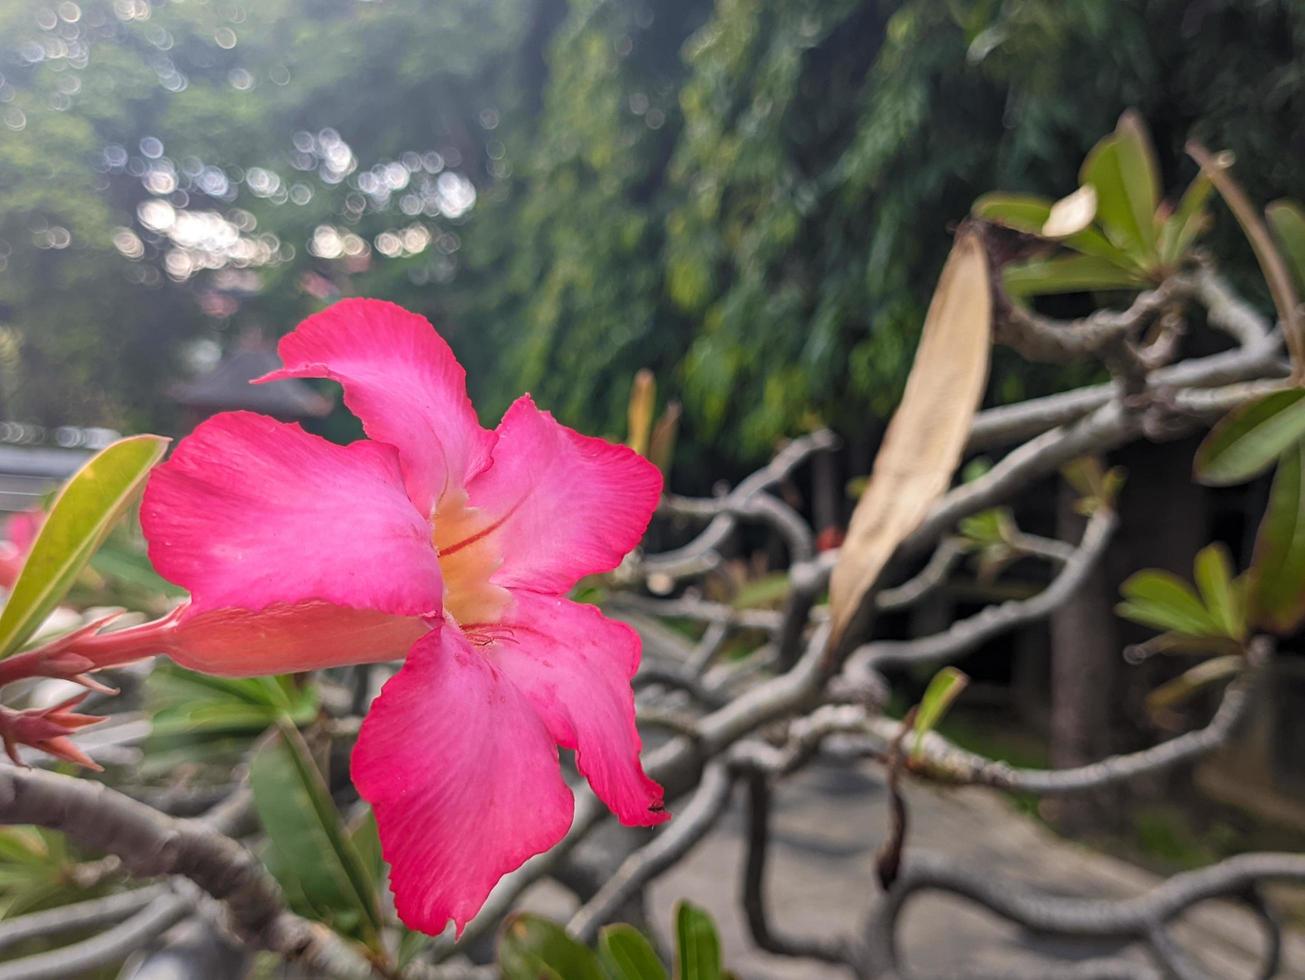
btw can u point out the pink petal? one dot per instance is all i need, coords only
(250, 512)
(559, 505)
(20, 529)
(463, 778)
(403, 382)
(575, 665)
(282, 639)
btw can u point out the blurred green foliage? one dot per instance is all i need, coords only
(751, 199)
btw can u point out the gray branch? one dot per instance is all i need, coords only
(689, 826)
(113, 945)
(1141, 918)
(153, 844)
(80, 915)
(966, 634)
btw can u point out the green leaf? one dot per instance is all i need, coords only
(308, 840)
(1021, 212)
(1214, 577)
(697, 953)
(1164, 601)
(945, 688)
(994, 526)
(533, 948)
(1278, 567)
(628, 955)
(1067, 274)
(1027, 213)
(200, 712)
(1287, 220)
(1190, 681)
(1187, 222)
(1122, 168)
(81, 516)
(1246, 441)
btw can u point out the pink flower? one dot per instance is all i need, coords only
(436, 538)
(19, 531)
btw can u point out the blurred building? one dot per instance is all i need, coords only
(227, 387)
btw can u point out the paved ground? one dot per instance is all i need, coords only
(829, 821)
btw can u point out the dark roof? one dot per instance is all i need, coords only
(227, 387)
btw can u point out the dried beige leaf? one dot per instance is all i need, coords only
(1072, 213)
(923, 444)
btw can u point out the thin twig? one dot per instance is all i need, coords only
(966, 634)
(110, 946)
(691, 824)
(79, 915)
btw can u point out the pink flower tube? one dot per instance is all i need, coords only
(433, 539)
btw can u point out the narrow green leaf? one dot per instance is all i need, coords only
(697, 953)
(1278, 567)
(1123, 170)
(628, 955)
(945, 688)
(533, 948)
(1187, 222)
(1068, 274)
(1287, 220)
(308, 839)
(1021, 212)
(1214, 577)
(79, 519)
(1164, 601)
(1246, 441)
(1190, 681)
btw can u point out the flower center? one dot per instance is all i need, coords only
(469, 555)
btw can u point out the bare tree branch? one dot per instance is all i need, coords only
(150, 844)
(689, 559)
(1100, 335)
(700, 610)
(929, 578)
(1257, 357)
(80, 915)
(753, 890)
(677, 839)
(165, 911)
(1137, 918)
(941, 760)
(966, 634)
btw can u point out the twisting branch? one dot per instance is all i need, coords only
(753, 891)
(1226, 310)
(1103, 334)
(929, 578)
(150, 843)
(700, 610)
(939, 759)
(700, 554)
(80, 915)
(165, 911)
(690, 826)
(760, 507)
(966, 634)
(1141, 918)
(1257, 357)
